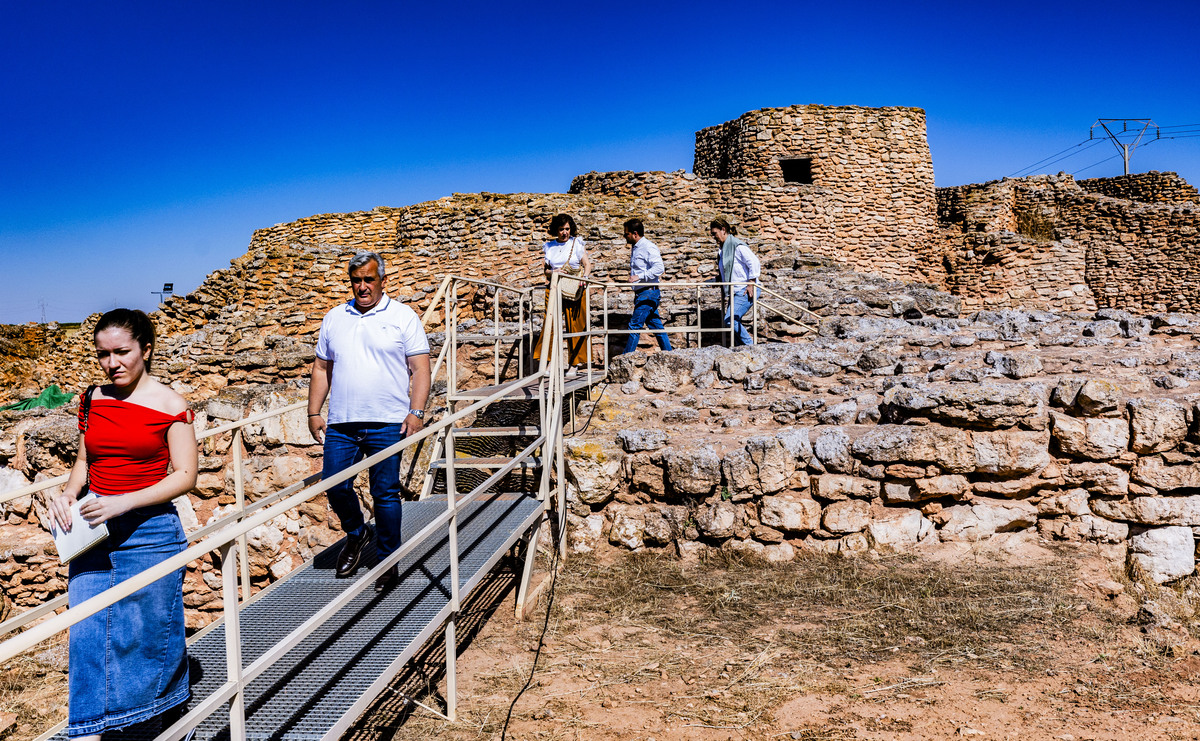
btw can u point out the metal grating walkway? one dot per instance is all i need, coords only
(319, 681)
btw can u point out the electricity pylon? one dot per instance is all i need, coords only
(1124, 147)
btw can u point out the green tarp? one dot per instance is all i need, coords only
(51, 398)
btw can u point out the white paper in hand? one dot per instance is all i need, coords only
(82, 536)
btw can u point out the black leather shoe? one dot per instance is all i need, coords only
(351, 555)
(387, 580)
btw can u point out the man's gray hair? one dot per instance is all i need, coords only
(362, 258)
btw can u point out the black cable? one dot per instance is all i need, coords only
(541, 638)
(604, 388)
(1101, 162)
(1039, 162)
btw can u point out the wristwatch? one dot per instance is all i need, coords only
(418, 413)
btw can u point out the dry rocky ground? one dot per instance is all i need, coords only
(1015, 638)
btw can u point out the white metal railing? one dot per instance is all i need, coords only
(225, 543)
(228, 536)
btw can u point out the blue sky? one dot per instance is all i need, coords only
(143, 142)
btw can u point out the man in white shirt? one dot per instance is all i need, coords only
(735, 264)
(372, 354)
(645, 268)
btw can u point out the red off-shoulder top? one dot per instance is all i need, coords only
(126, 445)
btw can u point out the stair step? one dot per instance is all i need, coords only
(519, 431)
(534, 462)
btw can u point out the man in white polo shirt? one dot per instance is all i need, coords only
(372, 354)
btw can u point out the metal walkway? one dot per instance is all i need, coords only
(321, 686)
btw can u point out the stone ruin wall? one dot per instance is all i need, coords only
(870, 205)
(1145, 187)
(1047, 242)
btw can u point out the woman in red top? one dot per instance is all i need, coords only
(128, 663)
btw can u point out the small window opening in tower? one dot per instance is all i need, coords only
(797, 170)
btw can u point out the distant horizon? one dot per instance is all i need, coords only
(145, 143)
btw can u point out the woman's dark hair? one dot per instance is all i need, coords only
(721, 223)
(557, 222)
(135, 321)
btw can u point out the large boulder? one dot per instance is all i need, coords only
(717, 519)
(834, 486)
(947, 447)
(1099, 397)
(988, 405)
(1098, 478)
(1164, 553)
(666, 371)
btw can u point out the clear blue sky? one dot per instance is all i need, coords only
(143, 142)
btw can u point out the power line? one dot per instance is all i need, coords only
(1056, 154)
(1101, 162)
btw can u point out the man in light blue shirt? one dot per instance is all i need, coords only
(645, 268)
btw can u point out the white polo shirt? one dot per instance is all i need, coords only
(369, 354)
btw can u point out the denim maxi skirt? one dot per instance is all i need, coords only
(128, 662)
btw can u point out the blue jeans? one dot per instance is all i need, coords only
(128, 662)
(645, 314)
(347, 444)
(740, 305)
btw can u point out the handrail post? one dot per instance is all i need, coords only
(233, 642)
(496, 332)
(451, 642)
(239, 493)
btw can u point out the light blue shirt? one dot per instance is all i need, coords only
(645, 261)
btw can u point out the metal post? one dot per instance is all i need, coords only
(239, 493)
(452, 340)
(233, 642)
(496, 331)
(451, 644)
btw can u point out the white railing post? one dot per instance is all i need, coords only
(451, 643)
(239, 493)
(233, 642)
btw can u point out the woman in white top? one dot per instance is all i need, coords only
(567, 254)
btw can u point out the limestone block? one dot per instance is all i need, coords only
(1150, 510)
(789, 514)
(988, 404)
(833, 486)
(740, 475)
(717, 519)
(265, 539)
(935, 487)
(1015, 364)
(1099, 397)
(778, 553)
(974, 522)
(795, 440)
(1158, 425)
(1011, 452)
(692, 471)
(898, 529)
(11, 480)
(593, 467)
(187, 513)
(286, 429)
(1098, 478)
(1097, 439)
(832, 448)
(1153, 471)
(584, 532)
(1073, 502)
(657, 528)
(1011, 488)
(1164, 554)
(848, 516)
(947, 447)
(281, 567)
(774, 465)
(731, 366)
(634, 441)
(627, 530)
(666, 372)
(1103, 531)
